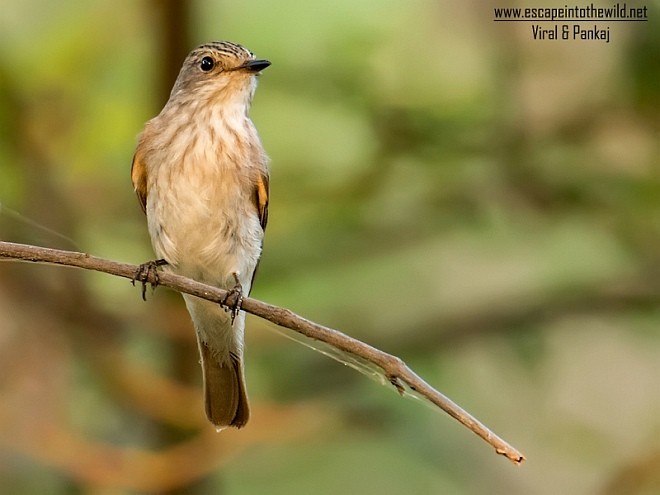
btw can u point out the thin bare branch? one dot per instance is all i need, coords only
(396, 371)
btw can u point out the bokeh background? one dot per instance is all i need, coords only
(483, 205)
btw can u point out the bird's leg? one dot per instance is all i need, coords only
(234, 298)
(146, 271)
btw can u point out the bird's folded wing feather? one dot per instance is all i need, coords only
(261, 199)
(139, 178)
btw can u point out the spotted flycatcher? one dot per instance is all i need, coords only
(201, 176)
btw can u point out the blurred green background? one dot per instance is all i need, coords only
(485, 206)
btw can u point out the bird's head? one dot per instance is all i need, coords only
(219, 70)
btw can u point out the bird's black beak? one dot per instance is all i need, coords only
(255, 65)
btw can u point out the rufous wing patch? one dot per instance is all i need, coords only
(139, 178)
(261, 199)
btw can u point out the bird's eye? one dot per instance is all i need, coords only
(207, 64)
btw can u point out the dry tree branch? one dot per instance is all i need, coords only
(398, 373)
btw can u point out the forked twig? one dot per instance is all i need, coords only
(396, 371)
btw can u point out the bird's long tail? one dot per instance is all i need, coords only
(225, 396)
(220, 343)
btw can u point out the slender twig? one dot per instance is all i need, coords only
(392, 367)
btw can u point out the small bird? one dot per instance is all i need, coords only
(201, 176)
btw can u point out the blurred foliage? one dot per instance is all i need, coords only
(483, 205)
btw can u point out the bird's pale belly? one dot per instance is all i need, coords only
(213, 240)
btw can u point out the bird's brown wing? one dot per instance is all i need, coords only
(139, 178)
(261, 199)
(261, 189)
